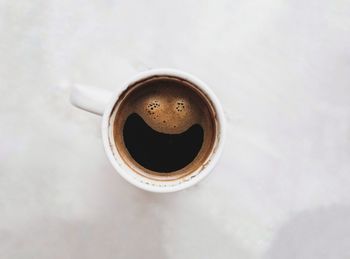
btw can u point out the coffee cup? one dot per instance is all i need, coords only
(163, 130)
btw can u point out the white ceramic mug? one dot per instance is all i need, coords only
(102, 102)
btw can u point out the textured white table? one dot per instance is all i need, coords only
(282, 72)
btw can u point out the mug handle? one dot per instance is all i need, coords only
(89, 98)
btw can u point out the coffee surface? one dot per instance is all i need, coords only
(164, 126)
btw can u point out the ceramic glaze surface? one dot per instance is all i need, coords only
(281, 72)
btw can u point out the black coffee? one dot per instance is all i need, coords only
(158, 151)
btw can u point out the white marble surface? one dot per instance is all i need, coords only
(282, 72)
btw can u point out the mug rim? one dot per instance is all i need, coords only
(125, 171)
